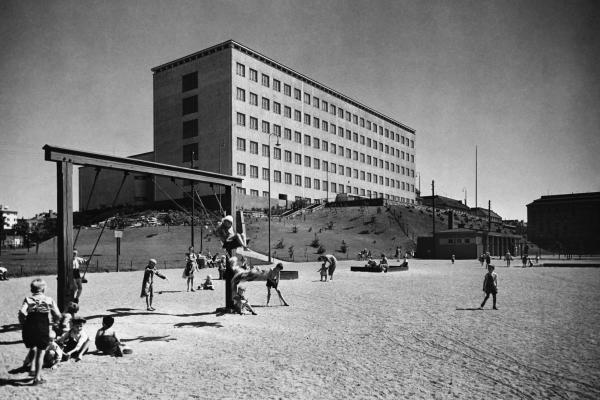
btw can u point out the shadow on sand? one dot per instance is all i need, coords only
(199, 324)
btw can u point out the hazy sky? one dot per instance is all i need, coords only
(518, 79)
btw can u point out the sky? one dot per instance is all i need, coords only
(518, 80)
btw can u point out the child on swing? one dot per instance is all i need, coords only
(231, 240)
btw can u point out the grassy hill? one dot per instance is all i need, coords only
(378, 229)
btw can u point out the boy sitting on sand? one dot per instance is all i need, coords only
(107, 341)
(208, 285)
(241, 302)
(75, 342)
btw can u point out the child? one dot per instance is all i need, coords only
(75, 342)
(273, 281)
(148, 283)
(490, 285)
(107, 341)
(452, 258)
(34, 316)
(190, 268)
(208, 285)
(3, 273)
(383, 264)
(323, 271)
(241, 302)
(227, 235)
(65, 322)
(53, 354)
(332, 261)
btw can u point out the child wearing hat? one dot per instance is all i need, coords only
(75, 342)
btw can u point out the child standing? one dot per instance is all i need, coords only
(273, 281)
(190, 268)
(148, 283)
(107, 341)
(241, 302)
(75, 342)
(490, 286)
(34, 316)
(323, 271)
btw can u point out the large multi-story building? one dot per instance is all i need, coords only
(232, 110)
(565, 222)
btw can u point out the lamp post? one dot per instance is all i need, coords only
(269, 196)
(193, 203)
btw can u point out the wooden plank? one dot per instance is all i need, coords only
(65, 284)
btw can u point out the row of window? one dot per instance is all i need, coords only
(316, 183)
(323, 144)
(316, 163)
(314, 100)
(356, 191)
(314, 121)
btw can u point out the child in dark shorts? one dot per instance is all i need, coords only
(273, 282)
(107, 341)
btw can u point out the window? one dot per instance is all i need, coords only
(265, 80)
(374, 127)
(340, 131)
(362, 139)
(307, 182)
(189, 81)
(287, 112)
(241, 169)
(307, 98)
(362, 176)
(317, 184)
(297, 115)
(276, 107)
(241, 144)
(276, 174)
(333, 168)
(287, 90)
(265, 174)
(254, 192)
(412, 158)
(190, 151)
(254, 123)
(355, 137)
(316, 143)
(324, 106)
(253, 171)
(355, 155)
(287, 134)
(368, 125)
(265, 150)
(348, 171)
(333, 148)
(368, 142)
(307, 161)
(276, 153)
(355, 119)
(277, 130)
(276, 86)
(362, 122)
(288, 156)
(266, 127)
(316, 163)
(297, 94)
(307, 140)
(307, 119)
(240, 69)
(297, 180)
(348, 153)
(288, 178)
(332, 110)
(189, 105)
(324, 145)
(266, 104)
(387, 133)
(348, 134)
(325, 165)
(253, 75)
(265, 194)
(241, 119)
(190, 128)
(315, 102)
(240, 94)
(297, 159)
(316, 122)
(297, 137)
(253, 99)
(325, 126)
(341, 169)
(333, 187)
(333, 129)
(253, 147)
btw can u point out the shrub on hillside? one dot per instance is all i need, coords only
(315, 243)
(321, 249)
(344, 247)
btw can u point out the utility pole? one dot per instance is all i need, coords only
(475, 178)
(193, 202)
(433, 214)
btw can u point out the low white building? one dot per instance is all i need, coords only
(10, 217)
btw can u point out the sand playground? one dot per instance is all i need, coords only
(414, 334)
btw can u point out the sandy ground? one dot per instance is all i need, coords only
(411, 334)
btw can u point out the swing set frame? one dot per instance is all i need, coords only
(66, 158)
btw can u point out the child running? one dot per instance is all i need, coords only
(490, 285)
(34, 316)
(148, 283)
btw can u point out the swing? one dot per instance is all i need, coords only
(87, 205)
(87, 264)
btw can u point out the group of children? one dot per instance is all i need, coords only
(52, 336)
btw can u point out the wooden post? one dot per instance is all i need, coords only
(228, 275)
(65, 284)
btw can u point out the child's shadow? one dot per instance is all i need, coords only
(199, 324)
(165, 338)
(15, 382)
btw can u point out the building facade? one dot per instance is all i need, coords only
(566, 222)
(234, 111)
(231, 110)
(10, 216)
